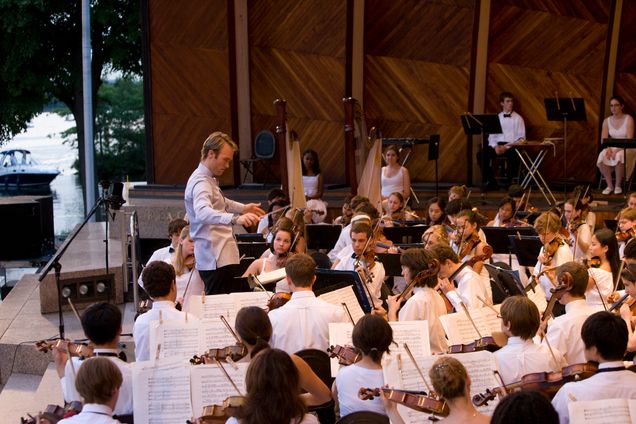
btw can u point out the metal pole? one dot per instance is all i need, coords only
(89, 161)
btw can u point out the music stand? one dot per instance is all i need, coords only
(612, 224)
(405, 235)
(322, 236)
(528, 216)
(481, 124)
(391, 263)
(328, 280)
(526, 248)
(565, 109)
(498, 238)
(249, 237)
(254, 250)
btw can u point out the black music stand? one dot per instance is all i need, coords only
(322, 236)
(612, 224)
(527, 249)
(405, 235)
(391, 263)
(481, 125)
(328, 280)
(253, 250)
(565, 109)
(497, 238)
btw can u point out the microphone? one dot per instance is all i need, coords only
(115, 200)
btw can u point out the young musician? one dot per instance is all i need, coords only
(266, 222)
(601, 283)
(457, 192)
(159, 282)
(631, 200)
(507, 209)
(605, 338)
(273, 392)
(435, 211)
(626, 228)
(434, 235)
(364, 211)
(629, 280)
(425, 303)
(98, 382)
(520, 356)
(303, 322)
(347, 212)
(451, 381)
(188, 280)
(165, 254)
(396, 211)
(525, 407)
(394, 176)
(585, 197)
(361, 256)
(254, 328)
(563, 331)
(101, 323)
(470, 286)
(580, 234)
(372, 336)
(280, 249)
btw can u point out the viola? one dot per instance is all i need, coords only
(346, 355)
(419, 401)
(220, 413)
(80, 350)
(234, 353)
(547, 382)
(277, 300)
(622, 236)
(485, 343)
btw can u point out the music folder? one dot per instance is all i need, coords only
(328, 280)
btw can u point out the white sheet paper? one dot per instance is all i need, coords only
(227, 305)
(347, 296)
(605, 411)
(459, 329)
(211, 387)
(177, 339)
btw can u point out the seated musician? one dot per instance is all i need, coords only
(303, 322)
(188, 280)
(525, 407)
(435, 211)
(452, 210)
(563, 332)
(601, 284)
(468, 243)
(273, 392)
(506, 215)
(394, 176)
(605, 337)
(580, 233)
(347, 213)
(521, 198)
(520, 356)
(361, 255)
(397, 213)
(586, 198)
(629, 280)
(275, 210)
(254, 328)
(457, 192)
(435, 235)
(554, 252)
(425, 303)
(470, 286)
(165, 254)
(159, 282)
(101, 323)
(372, 336)
(452, 382)
(626, 228)
(363, 211)
(98, 382)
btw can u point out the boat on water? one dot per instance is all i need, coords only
(18, 170)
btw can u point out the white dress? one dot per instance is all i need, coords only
(319, 206)
(620, 132)
(392, 184)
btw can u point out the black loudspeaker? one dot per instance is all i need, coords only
(27, 227)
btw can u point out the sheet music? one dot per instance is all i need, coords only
(257, 298)
(227, 305)
(615, 411)
(413, 333)
(347, 296)
(272, 276)
(177, 339)
(210, 386)
(216, 335)
(459, 329)
(161, 392)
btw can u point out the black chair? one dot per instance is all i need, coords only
(264, 149)
(320, 364)
(364, 417)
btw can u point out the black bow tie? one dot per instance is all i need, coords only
(171, 249)
(507, 115)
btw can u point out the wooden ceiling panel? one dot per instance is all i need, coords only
(627, 39)
(308, 26)
(436, 31)
(589, 10)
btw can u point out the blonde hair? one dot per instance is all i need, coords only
(461, 191)
(96, 380)
(628, 214)
(449, 377)
(215, 142)
(179, 262)
(439, 231)
(547, 222)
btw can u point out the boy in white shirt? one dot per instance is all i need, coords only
(470, 285)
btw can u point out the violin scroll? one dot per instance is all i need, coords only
(232, 353)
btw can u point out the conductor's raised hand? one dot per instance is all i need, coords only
(248, 219)
(253, 208)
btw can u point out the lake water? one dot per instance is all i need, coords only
(44, 141)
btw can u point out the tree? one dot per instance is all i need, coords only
(41, 46)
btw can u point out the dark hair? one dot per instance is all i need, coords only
(525, 407)
(456, 205)
(96, 380)
(442, 205)
(175, 226)
(301, 270)
(316, 165)
(254, 327)
(357, 200)
(508, 200)
(158, 278)
(361, 227)
(416, 260)
(515, 190)
(449, 377)
(282, 203)
(274, 193)
(273, 390)
(579, 277)
(372, 335)
(629, 252)
(583, 192)
(606, 237)
(321, 259)
(619, 99)
(522, 315)
(400, 198)
(394, 148)
(505, 95)
(367, 209)
(101, 322)
(608, 333)
(444, 253)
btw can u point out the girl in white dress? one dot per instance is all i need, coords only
(313, 186)
(601, 281)
(617, 125)
(395, 177)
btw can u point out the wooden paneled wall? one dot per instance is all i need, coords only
(539, 48)
(417, 70)
(418, 57)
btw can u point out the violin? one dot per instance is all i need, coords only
(220, 413)
(622, 236)
(485, 343)
(54, 413)
(469, 244)
(546, 382)
(574, 225)
(80, 350)
(277, 300)
(624, 299)
(419, 401)
(234, 353)
(594, 262)
(431, 270)
(346, 355)
(550, 249)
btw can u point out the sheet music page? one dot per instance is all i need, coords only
(257, 298)
(177, 339)
(615, 411)
(210, 386)
(270, 277)
(214, 306)
(216, 335)
(459, 329)
(347, 296)
(537, 295)
(339, 334)
(161, 392)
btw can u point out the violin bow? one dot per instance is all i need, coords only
(228, 377)
(600, 294)
(188, 284)
(417, 367)
(461, 241)
(618, 277)
(346, 308)
(471, 319)
(543, 337)
(229, 328)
